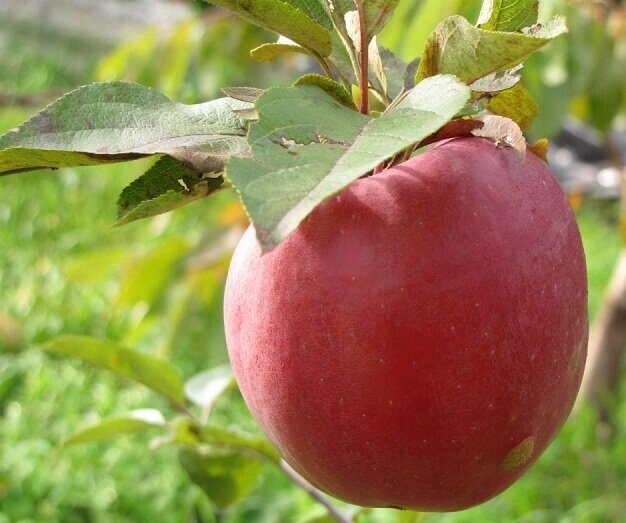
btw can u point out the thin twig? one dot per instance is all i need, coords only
(315, 493)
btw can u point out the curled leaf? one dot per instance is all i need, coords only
(243, 94)
(502, 131)
(334, 89)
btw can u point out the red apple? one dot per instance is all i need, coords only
(420, 339)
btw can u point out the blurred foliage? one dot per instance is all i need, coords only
(200, 56)
(40, 57)
(157, 286)
(584, 73)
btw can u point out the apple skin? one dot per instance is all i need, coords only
(420, 339)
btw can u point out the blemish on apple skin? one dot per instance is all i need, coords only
(519, 455)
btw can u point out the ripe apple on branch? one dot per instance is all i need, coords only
(406, 316)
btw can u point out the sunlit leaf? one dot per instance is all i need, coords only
(515, 103)
(228, 438)
(508, 15)
(156, 374)
(459, 48)
(377, 14)
(118, 121)
(205, 388)
(119, 425)
(269, 52)
(284, 19)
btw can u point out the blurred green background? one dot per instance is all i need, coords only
(156, 285)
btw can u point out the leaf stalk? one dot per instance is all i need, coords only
(364, 55)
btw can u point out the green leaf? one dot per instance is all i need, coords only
(205, 388)
(156, 374)
(269, 52)
(167, 185)
(377, 14)
(457, 47)
(515, 103)
(314, 9)
(306, 147)
(395, 71)
(118, 121)
(223, 437)
(224, 476)
(284, 19)
(508, 15)
(119, 425)
(334, 89)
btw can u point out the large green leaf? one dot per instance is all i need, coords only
(284, 19)
(156, 374)
(508, 15)
(167, 185)
(307, 146)
(119, 425)
(459, 48)
(118, 121)
(224, 476)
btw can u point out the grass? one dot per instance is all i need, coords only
(64, 270)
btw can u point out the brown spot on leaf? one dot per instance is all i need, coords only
(519, 455)
(44, 123)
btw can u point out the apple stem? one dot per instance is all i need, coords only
(315, 493)
(364, 52)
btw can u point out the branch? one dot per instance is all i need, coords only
(315, 493)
